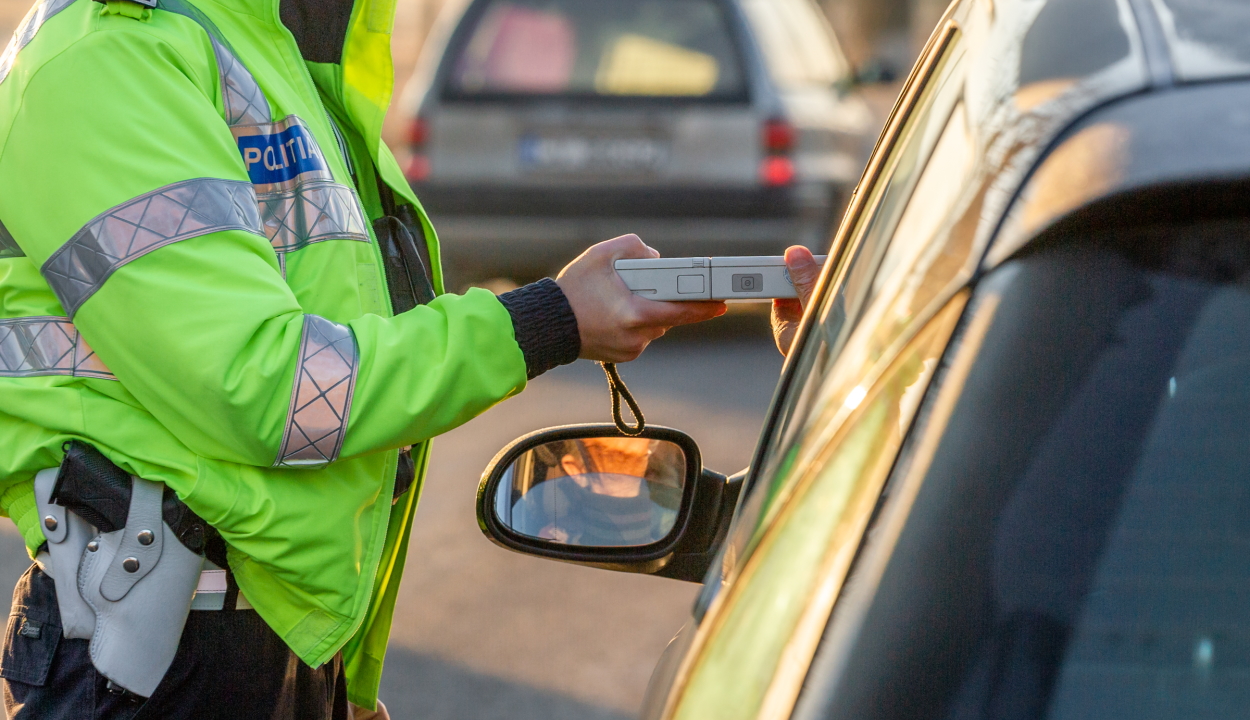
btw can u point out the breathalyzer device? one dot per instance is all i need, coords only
(759, 277)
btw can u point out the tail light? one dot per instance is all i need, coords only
(418, 166)
(778, 138)
(777, 170)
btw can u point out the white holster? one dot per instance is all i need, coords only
(128, 591)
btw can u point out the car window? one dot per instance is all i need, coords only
(937, 115)
(1078, 545)
(770, 620)
(798, 45)
(597, 48)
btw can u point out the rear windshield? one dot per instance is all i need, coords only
(597, 48)
(1080, 547)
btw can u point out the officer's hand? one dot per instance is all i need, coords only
(616, 325)
(804, 271)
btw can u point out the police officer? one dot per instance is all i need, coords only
(216, 285)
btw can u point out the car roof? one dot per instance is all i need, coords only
(1181, 40)
(1037, 69)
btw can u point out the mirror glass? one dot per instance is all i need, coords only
(594, 492)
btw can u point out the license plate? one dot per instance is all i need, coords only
(579, 154)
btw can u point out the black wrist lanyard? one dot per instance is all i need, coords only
(617, 387)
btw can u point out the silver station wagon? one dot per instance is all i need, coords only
(706, 126)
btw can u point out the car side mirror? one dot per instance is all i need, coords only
(590, 495)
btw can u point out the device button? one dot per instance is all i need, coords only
(690, 284)
(747, 282)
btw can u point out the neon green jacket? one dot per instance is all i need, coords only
(189, 282)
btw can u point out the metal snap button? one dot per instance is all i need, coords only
(130, 565)
(145, 537)
(50, 523)
(93, 546)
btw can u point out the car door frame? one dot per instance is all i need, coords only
(841, 247)
(845, 242)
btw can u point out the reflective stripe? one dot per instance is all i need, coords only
(240, 93)
(322, 395)
(38, 15)
(312, 213)
(241, 96)
(300, 203)
(35, 346)
(8, 246)
(175, 212)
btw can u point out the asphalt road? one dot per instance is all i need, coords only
(484, 634)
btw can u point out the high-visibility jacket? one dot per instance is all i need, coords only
(189, 282)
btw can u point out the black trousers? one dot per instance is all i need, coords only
(229, 665)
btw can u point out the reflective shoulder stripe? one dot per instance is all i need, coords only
(321, 397)
(38, 15)
(137, 227)
(36, 346)
(300, 204)
(240, 93)
(8, 246)
(241, 96)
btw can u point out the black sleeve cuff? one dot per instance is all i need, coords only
(544, 324)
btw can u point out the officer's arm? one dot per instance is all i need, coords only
(199, 327)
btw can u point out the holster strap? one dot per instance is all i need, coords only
(141, 541)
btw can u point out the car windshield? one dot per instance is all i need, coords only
(1079, 546)
(598, 48)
